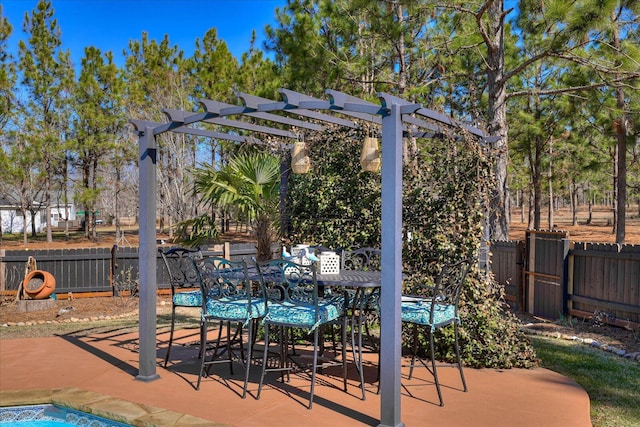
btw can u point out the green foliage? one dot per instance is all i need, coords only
(197, 231)
(335, 204)
(444, 201)
(214, 68)
(250, 184)
(7, 72)
(99, 118)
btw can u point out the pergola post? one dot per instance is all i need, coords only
(147, 254)
(391, 292)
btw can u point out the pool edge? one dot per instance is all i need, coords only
(103, 406)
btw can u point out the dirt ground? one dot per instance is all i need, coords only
(106, 239)
(85, 309)
(600, 230)
(77, 308)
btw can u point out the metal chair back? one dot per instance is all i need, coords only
(180, 266)
(366, 258)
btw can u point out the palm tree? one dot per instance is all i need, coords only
(250, 185)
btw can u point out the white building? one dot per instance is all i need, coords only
(13, 220)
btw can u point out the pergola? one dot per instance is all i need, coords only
(397, 117)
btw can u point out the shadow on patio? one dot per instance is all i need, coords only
(106, 361)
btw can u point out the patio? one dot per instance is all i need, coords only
(107, 363)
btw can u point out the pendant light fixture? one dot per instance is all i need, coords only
(370, 157)
(300, 162)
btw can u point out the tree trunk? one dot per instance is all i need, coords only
(85, 185)
(33, 223)
(621, 156)
(535, 160)
(550, 178)
(264, 236)
(574, 203)
(65, 179)
(94, 187)
(499, 204)
(24, 227)
(621, 206)
(47, 209)
(537, 201)
(117, 198)
(614, 202)
(531, 211)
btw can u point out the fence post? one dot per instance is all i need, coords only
(3, 271)
(520, 268)
(567, 277)
(112, 270)
(530, 268)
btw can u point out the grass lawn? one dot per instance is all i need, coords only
(613, 383)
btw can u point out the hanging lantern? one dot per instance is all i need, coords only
(370, 157)
(300, 162)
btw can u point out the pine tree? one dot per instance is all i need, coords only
(157, 77)
(99, 120)
(47, 76)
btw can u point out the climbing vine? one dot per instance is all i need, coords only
(444, 203)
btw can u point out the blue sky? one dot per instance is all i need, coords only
(110, 24)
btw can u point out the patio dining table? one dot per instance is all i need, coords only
(364, 283)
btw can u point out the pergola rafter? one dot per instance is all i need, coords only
(396, 117)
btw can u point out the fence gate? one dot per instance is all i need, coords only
(507, 265)
(546, 261)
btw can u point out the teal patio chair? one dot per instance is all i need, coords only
(184, 282)
(228, 297)
(293, 302)
(434, 307)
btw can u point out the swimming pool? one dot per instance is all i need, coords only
(51, 416)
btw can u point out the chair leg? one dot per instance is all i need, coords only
(357, 353)
(264, 358)
(343, 340)
(433, 366)
(203, 350)
(457, 345)
(229, 354)
(414, 351)
(314, 366)
(284, 352)
(293, 342)
(247, 365)
(173, 320)
(239, 329)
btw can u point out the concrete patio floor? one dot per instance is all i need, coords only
(100, 368)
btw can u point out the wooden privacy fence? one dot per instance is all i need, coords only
(96, 270)
(549, 276)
